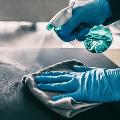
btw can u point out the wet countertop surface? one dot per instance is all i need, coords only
(16, 102)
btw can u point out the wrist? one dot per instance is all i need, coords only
(107, 8)
(104, 9)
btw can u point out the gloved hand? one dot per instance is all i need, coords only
(85, 84)
(91, 14)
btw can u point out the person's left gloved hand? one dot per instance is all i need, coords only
(85, 84)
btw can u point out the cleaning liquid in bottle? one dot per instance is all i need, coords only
(98, 39)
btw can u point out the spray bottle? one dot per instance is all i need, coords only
(98, 39)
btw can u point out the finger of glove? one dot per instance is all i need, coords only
(78, 68)
(58, 97)
(81, 34)
(59, 87)
(54, 73)
(53, 79)
(66, 38)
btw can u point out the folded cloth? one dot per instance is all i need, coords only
(67, 107)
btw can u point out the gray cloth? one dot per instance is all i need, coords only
(67, 107)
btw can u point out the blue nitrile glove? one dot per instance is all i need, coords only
(85, 84)
(91, 14)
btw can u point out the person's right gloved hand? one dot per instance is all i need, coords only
(90, 14)
(85, 84)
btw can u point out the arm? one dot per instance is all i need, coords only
(93, 85)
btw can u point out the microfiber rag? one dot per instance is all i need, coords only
(67, 107)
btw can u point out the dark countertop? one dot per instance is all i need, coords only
(17, 103)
